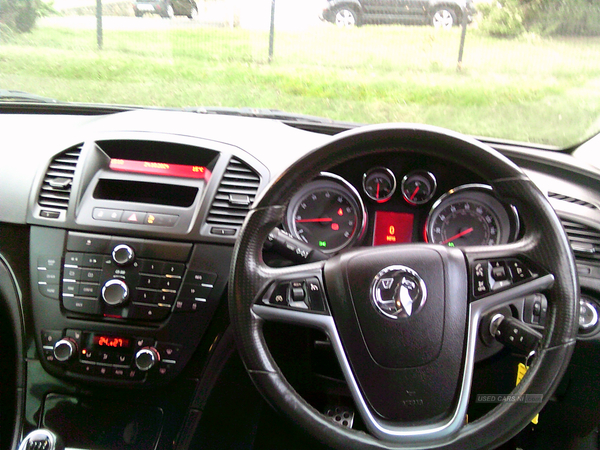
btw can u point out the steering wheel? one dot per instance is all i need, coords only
(410, 376)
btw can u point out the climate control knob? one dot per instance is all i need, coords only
(65, 349)
(123, 254)
(115, 292)
(146, 358)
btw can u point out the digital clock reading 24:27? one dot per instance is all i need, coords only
(111, 341)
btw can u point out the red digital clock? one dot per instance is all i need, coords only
(111, 341)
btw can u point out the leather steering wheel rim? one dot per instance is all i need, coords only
(544, 242)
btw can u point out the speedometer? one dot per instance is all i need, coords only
(327, 213)
(470, 215)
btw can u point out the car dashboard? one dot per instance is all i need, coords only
(116, 239)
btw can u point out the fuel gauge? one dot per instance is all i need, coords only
(379, 184)
(418, 187)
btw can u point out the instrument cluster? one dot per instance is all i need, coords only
(339, 210)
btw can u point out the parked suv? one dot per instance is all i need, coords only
(166, 8)
(439, 13)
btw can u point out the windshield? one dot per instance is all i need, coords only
(523, 70)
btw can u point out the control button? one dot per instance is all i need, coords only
(188, 305)
(92, 260)
(200, 278)
(115, 292)
(73, 259)
(89, 290)
(165, 368)
(103, 371)
(279, 296)
(119, 372)
(174, 269)
(65, 349)
(152, 267)
(122, 359)
(123, 254)
(48, 263)
(220, 231)
(49, 290)
(70, 288)
(480, 282)
(161, 220)
(104, 357)
(148, 312)
(85, 369)
(72, 274)
(144, 296)
(518, 270)
(146, 358)
(169, 283)
(90, 275)
(47, 214)
(51, 337)
(82, 305)
(297, 293)
(84, 242)
(48, 353)
(149, 282)
(166, 298)
(87, 356)
(74, 334)
(133, 217)
(49, 276)
(168, 351)
(499, 272)
(134, 374)
(588, 315)
(110, 215)
(315, 293)
(194, 292)
(144, 342)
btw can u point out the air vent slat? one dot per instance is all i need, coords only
(56, 188)
(235, 195)
(573, 200)
(584, 240)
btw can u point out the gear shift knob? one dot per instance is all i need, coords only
(41, 440)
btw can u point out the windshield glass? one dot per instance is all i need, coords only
(527, 70)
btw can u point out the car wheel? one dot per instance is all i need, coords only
(194, 13)
(345, 17)
(443, 18)
(170, 12)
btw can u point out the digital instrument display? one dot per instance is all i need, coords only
(111, 341)
(160, 168)
(392, 228)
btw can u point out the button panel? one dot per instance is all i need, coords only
(304, 294)
(110, 357)
(493, 275)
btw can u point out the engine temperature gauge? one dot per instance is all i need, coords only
(379, 184)
(418, 187)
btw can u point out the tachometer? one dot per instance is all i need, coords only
(327, 213)
(470, 215)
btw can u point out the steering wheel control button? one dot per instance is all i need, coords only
(519, 271)
(588, 316)
(123, 254)
(315, 293)
(535, 308)
(115, 292)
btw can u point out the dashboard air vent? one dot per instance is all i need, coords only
(576, 201)
(235, 195)
(56, 188)
(585, 240)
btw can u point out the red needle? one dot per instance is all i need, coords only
(377, 195)
(325, 219)
(414, 193)
(456, 236)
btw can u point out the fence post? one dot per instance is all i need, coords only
(99, 23)
(463, 36)
(272, 31)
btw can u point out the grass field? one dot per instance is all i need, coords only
(531, 89)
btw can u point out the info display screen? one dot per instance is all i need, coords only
(392, 228)
(111, 341)
(160, 168)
